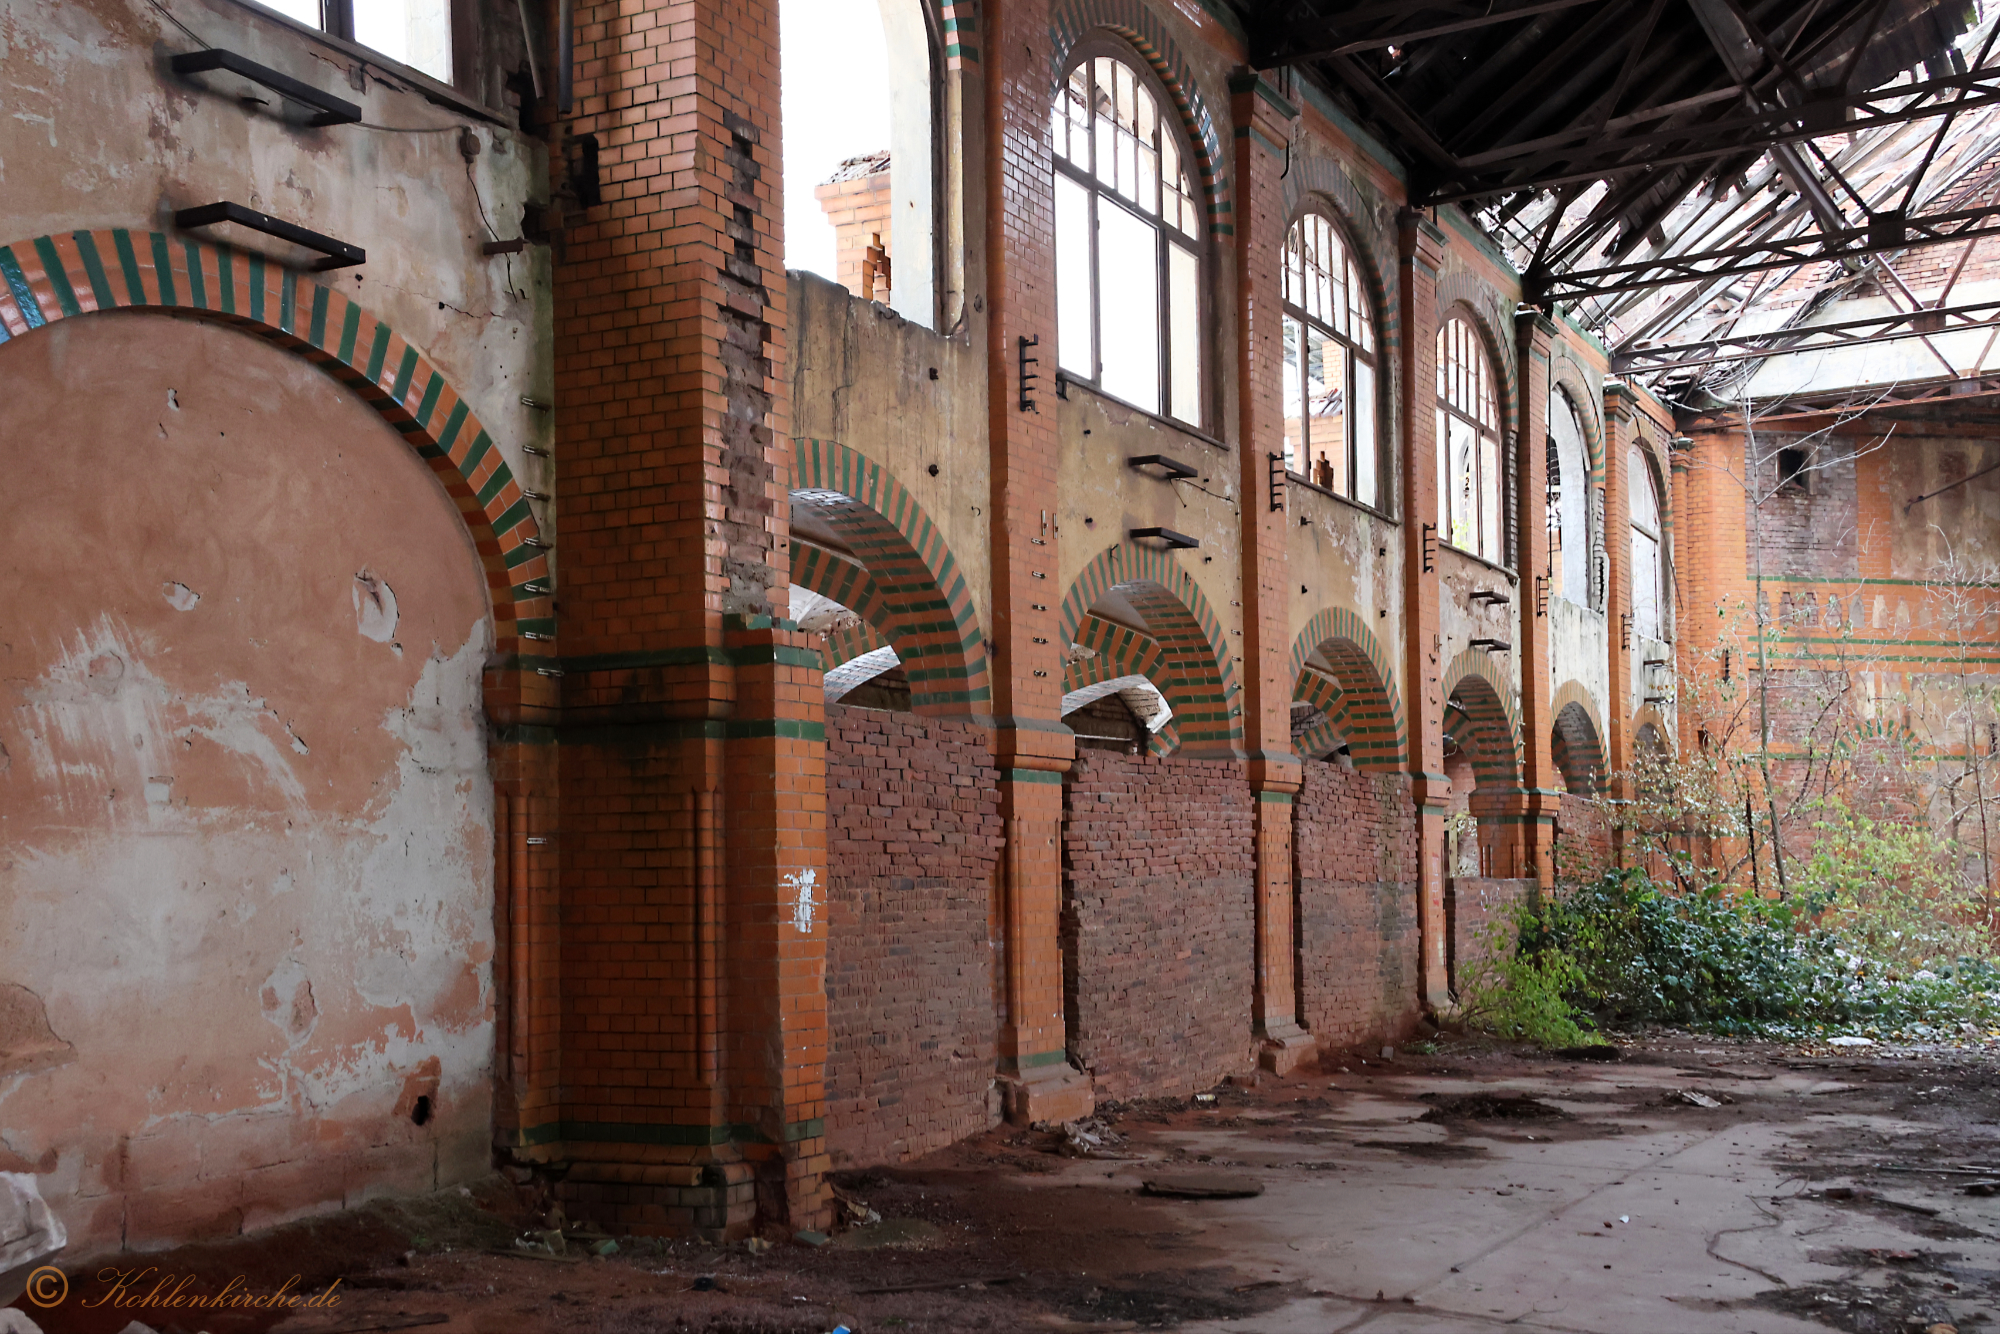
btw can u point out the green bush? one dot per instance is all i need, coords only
(1620, 950)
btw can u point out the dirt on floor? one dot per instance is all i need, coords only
(1474, 1185)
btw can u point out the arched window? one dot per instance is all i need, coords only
(1128, 238)
(1647, 584)
(1330, 432)
(1468, 434)
(1570, 533)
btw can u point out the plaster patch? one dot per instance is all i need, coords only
(180, 597)
(375, 607)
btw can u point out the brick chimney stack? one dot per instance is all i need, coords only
(857, 203)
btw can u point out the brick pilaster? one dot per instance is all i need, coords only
(1264, 122)
(1032, 747)
(1542, 795)
(693, 859)
(1420, 251)
(1620, 430)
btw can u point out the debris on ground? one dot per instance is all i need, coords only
(1695, 1098)
(1204, 1186)
(1490, 1107)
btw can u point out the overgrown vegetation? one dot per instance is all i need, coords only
(1619, 949)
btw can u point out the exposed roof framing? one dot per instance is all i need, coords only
(1695, 180)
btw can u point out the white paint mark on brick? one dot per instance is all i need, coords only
(180, 597)
(801, 884)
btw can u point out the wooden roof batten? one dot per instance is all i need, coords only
(1659, 167)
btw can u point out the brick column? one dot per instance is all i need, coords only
(692, 747)
(1541, 800)
(1620, 429)
(1264, 121)
(1421, 250)
(1032, 748)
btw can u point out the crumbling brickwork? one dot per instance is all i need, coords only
(1158, 931)
(1357, 906)
(913, 839)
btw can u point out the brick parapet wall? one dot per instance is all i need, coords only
(1158, 922)
(913, 843)
(1356, 858)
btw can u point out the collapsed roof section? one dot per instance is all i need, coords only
(1705, 184)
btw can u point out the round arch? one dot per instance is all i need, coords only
(1138, 26)
(1200, 675)
(1460, 294)
(902, 579)
(51, 278)
(1480, 717)
(1362, 706)
(1112, 652)
(1577, 739)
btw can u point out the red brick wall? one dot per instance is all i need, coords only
(913, 840)
(1475, 905)
(1585, 842)
(1158, 930)
(1356, 841)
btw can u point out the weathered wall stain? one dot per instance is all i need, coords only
(246, 853)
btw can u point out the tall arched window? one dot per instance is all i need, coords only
(1128, 238)
(1647, 584)
(1329, 364)
(1468, 433)
(1569, 503)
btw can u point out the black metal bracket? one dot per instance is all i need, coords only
(1542, 582)
(1174, 540)
(1028, 377)
(1625, 622)
(1492, 597)
(1277, 480)
(1493, 645)
(332, 110)
(1430, 536)
(339, 254)
(1172, 467)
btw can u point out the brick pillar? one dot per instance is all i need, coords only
(1541, 799)
(692, 747)
(858, 204)
(1421, 250)
(1620, 430)
(1265, 122)
(1032, 748)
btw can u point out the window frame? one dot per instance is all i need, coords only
(1357, 282)
(1200, 245)
(1482, 434)
(1593, 583)
(450, 93)
(1648, 477)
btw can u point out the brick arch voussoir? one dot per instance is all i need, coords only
(1205, 694)
(931, 620)
(1132, 20)
(1566, 373)
(1315, 174)
(50, 278)
(1379, 734)
(1577, 738)
(1119, 651)
(1467, 293)
(1475, 686)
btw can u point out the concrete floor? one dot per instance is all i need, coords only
(1783, 1209)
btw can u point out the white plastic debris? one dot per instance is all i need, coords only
(29, 1233)
(1850, 1042)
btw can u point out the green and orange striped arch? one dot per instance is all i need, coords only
(1364, 710)
(1121, 651)
(52, 278)
(1200, 676)
(1480, 716)
(917, 597)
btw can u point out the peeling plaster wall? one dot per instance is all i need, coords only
(246, 900)
(99, 132)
